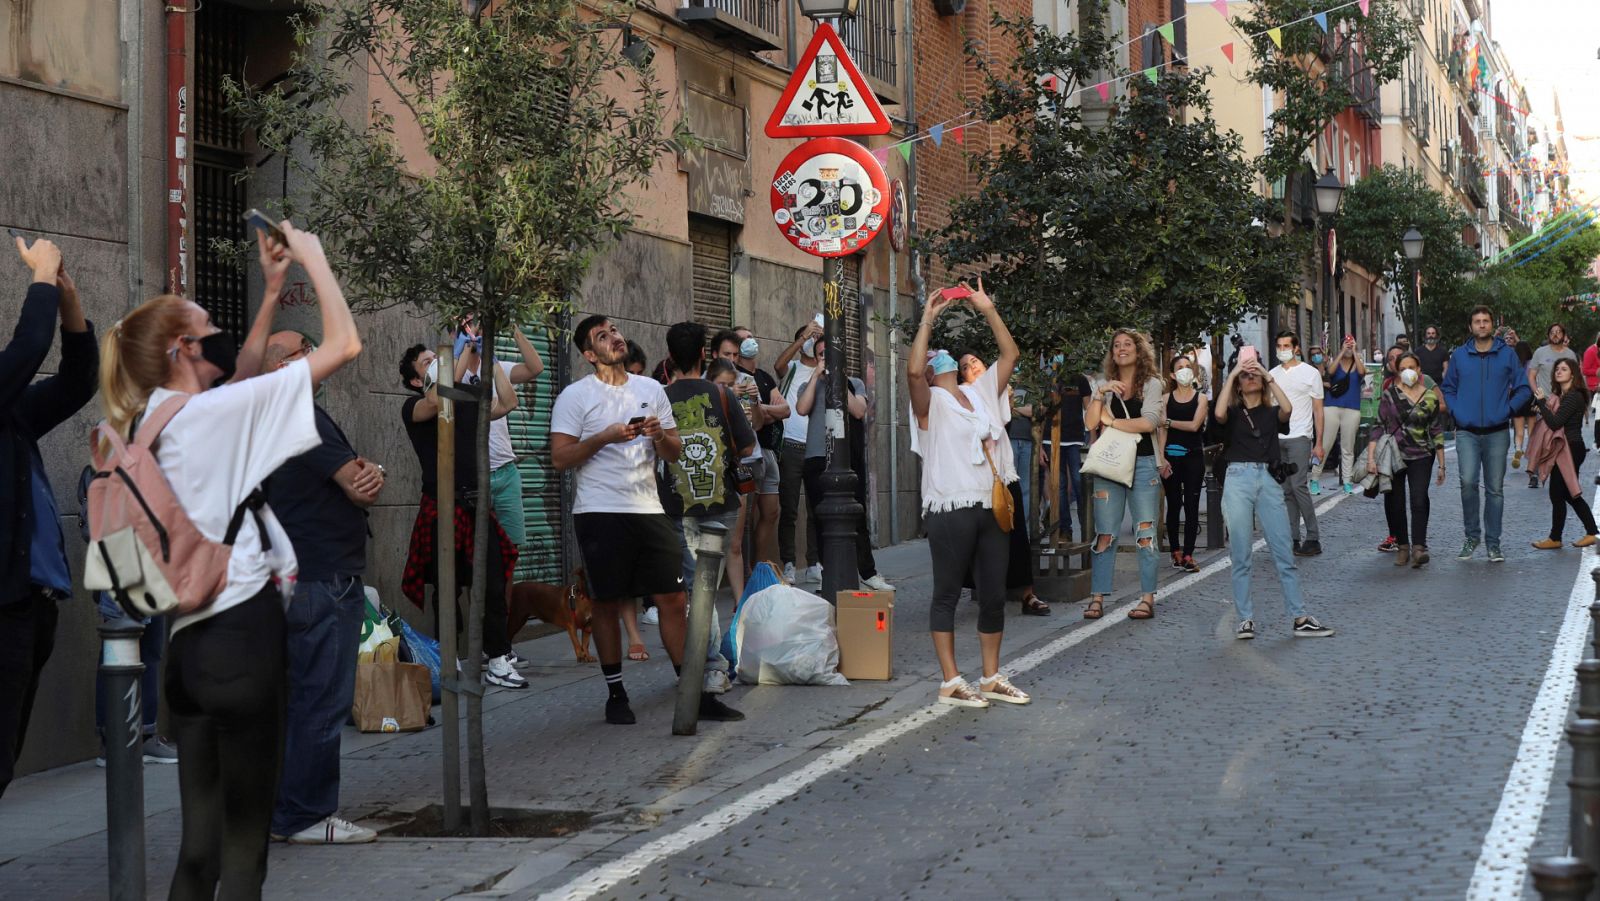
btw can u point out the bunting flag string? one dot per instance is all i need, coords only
(1322, 21)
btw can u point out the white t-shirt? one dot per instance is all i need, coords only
(220, 447)
(619, 478)
(1303, 384)
(796, 427)
(985, 396)
(500, 450)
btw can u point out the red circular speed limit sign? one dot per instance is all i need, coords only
(830, 197)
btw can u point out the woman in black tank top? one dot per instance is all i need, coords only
(1181, 458)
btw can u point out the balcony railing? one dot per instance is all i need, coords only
(1471, 177)
(870, 38)
(753, 25)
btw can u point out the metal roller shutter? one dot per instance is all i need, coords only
(712, 243)
(538, 560)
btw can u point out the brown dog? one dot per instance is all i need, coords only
(568, 606)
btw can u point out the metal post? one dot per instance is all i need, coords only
(1584, 830)
(1589, 689)
(838, 510)
(1562, 878)
(1327, 287)
(445, 595)
(1214, 537)
(1594, 613)
(120, 670)
(692, 675)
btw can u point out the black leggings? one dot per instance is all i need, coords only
(960, 541)
(1560, 498)
(1415, 477)
(1183, 491)
(226, 684)
(1019, 568)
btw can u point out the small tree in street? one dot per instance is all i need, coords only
(533, 126)
(1378, 210)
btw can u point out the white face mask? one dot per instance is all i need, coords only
(1408, 376)
(1184, 376)
(1285, 356)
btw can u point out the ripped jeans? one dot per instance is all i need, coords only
(1110, 501)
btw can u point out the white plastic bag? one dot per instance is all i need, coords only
(784, 639)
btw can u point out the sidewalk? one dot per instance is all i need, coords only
(548, 749)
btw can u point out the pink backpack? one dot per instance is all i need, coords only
(143, 548)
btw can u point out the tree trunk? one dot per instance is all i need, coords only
(477, 784)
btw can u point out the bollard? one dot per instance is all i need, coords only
(1584, 829)
(1561, 878)
(120, 669)
(1594, 613)
(692, 676)
(1214, 538)
(1589, 689)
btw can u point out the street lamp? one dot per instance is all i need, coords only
(1328, 192)
(837, 510)
(1412, 243)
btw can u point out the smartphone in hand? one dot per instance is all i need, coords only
(1248, 353)
(956, 293)
(257, 219)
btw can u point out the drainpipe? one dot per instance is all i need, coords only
(917, 286)
(179, 193)
(894, 400)
(132, 71)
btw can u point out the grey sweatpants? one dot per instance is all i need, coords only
(962, 541)
(1296, 490)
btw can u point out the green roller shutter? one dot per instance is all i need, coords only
(539, 559)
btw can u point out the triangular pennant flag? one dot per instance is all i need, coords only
(905, 150)
(955, 133)
(1322, 21)
(1104, 90)
(937, 133)
(1366, 6)
(1277, 36)
(881, 155)
(1153, 75)
(1222, 7)
(1050, 83)
(1227, 50)
(1166, 32)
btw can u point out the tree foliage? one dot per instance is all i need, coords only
(1151, 221)
(1533, 288)
(1377, 212)
(533, 122)
(1315, 76)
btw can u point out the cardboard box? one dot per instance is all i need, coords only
(864, 623)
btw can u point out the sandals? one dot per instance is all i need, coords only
(1033, 605)
(1096, 608)
(637, 652)
(1145, 609)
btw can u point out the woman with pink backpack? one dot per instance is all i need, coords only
(218, 441)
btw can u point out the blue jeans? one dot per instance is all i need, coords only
(152, 646)
(1022, 451)
(1070, 460)
(1111, 500)
(1250, 494)
(1486, 454)
(324, 629)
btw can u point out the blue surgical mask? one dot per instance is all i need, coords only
(1316, 358)
(942, 363)
(749, 348)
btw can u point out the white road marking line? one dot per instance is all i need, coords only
(722, 819)
(1503, 862)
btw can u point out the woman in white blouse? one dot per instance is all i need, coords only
(959, 431)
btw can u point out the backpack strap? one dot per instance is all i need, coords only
(252, 504)
(157, 419)
(105, 445)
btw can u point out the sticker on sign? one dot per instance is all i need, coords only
(827, 95)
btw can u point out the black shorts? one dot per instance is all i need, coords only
(626, 555)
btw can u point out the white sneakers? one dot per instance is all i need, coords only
(813, 574)
(500, 672)
(876, 583)
(651, 617)
(332, 831)
(788, 571)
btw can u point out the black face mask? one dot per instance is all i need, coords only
(220, 351)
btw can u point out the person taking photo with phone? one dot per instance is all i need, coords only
(1342, 375)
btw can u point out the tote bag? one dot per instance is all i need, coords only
(1113, 454)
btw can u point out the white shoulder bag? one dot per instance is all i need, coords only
(1113, 454)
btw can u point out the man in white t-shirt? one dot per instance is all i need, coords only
(1303, 384)
(793, 374)
(610, 428)
(505, 480)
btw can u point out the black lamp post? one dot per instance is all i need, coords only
(1412, 243)
(838, 510)
(1329, 192)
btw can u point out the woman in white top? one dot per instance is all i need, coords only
(226, 675)
(959, 431)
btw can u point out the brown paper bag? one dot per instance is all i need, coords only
(392, 697)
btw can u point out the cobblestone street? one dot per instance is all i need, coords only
(1160, 759)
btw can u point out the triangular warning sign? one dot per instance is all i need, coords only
(826, 95)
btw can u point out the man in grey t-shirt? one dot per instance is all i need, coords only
(1544, 359)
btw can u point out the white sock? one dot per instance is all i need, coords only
(953, 682)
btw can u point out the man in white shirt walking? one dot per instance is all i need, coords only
(1303, 385)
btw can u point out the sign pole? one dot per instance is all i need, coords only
(837, 511)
